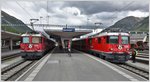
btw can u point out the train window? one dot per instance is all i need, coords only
(112, 40)
(25, 39)
(99, 40)
(125, 39)
(36, 40)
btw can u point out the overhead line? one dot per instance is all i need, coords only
(123, 7)
(24, 9)
(12, 10)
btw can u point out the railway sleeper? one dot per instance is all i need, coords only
(15, 70)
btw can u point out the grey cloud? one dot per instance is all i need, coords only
(43, 4)
(60, 16)
(92, 7)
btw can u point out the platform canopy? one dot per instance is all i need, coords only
(66, 32)
(8, 35)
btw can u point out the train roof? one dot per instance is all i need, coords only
(38, 35)
(75, 39)
(105, 34)
(111, 33)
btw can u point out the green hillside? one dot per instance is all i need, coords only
(142, 25)
(126, 23)
(131, 23)
(7, 19)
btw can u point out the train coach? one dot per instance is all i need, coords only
(112, 46)
(34, 46)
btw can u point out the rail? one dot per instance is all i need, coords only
(11, 72)
(141, 72)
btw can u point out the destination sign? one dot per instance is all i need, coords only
(68, 29)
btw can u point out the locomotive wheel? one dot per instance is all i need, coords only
(97, 55)
(94, 54)
(103, 57)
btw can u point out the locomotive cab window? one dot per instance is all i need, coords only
(36, 39)
(125, 39)
(112, 40)
(25, 40)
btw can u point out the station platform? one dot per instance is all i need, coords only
(3, 54)
(80, 67)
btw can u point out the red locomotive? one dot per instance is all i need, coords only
(34, 46)
(113, 46)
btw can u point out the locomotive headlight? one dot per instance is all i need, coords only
(127, 49)
(22, 47)
(111, 49)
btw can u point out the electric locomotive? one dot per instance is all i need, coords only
(112, 46)
(35, 45)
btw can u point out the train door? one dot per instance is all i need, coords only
(90, 43)
(94, 42)
(99, 44)
(103, 43)
(87, 44)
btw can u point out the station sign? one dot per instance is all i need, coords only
(68, 29)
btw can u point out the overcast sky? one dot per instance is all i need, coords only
(76, 12)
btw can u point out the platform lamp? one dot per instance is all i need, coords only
(32, 21)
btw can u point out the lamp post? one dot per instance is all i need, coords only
(48, 19)
(32, 21)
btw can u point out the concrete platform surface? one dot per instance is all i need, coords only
(79, 67)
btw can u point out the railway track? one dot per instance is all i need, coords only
(4, 58)
(14, 70)
(140, 72)
(18, 69)
(143, 56)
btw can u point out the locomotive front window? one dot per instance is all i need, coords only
(125, 39)
(113, 40)
(25, 40)
(36, 40)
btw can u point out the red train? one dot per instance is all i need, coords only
(34, 46)
(113, 46)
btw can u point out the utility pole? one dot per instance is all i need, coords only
(41, 20)
(48, 19)
(87, 20)
(66, 25)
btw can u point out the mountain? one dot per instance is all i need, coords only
(7, 19)
(143, 25)
(130, 23)
(126, 23)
